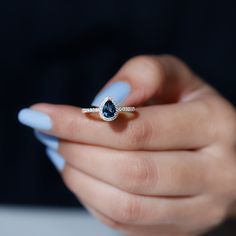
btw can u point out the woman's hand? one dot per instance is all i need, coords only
(169, 170)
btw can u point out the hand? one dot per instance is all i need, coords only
(171, 170)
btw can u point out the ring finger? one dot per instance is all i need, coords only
(129, 208)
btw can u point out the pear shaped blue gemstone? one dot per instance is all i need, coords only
(109, 109)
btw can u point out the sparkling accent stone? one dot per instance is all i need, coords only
(109, 109)
(126, 109)
(90, 110)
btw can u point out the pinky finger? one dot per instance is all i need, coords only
(134, 230)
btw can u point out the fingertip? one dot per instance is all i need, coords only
(48, 140)
(34, 119)
(56, 159)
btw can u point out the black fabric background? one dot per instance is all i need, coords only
(64, 51)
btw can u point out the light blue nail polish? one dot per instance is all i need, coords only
(56, 159)
(119, 91)
(48, 140)
(35, 119)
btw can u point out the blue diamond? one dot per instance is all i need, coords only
(109, 109)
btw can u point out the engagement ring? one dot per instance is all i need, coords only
(108, 109)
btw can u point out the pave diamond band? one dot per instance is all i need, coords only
(108, 109)
(126, 109)
(96, 109)
(90, 110)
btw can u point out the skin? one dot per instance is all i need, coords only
(168, 170)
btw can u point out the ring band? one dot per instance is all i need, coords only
(108, 109)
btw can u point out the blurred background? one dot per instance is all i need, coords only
(64, 51)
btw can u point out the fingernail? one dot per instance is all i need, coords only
(48, 140)
(119, 91)
(35, 119)
(56, 159)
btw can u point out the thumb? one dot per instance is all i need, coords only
(162, 79)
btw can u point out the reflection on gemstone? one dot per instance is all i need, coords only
(109, 109)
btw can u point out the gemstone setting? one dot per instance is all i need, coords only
(108, 109)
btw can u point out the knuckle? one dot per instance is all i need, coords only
(128, 210)
(137, 134)
(138, 173)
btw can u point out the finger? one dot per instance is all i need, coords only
(136, 230)
(125, 207)
(165, 127)
(163, 78)
(145, 173)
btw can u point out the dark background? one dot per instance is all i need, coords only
(64, 51)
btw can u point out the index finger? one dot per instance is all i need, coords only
(160, 127)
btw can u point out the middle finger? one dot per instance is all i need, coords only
(173, 173)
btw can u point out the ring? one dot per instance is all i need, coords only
(108, 109)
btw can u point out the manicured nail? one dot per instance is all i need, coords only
(56, 159)
(48, 140)
(119, 91)
(35, 119)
